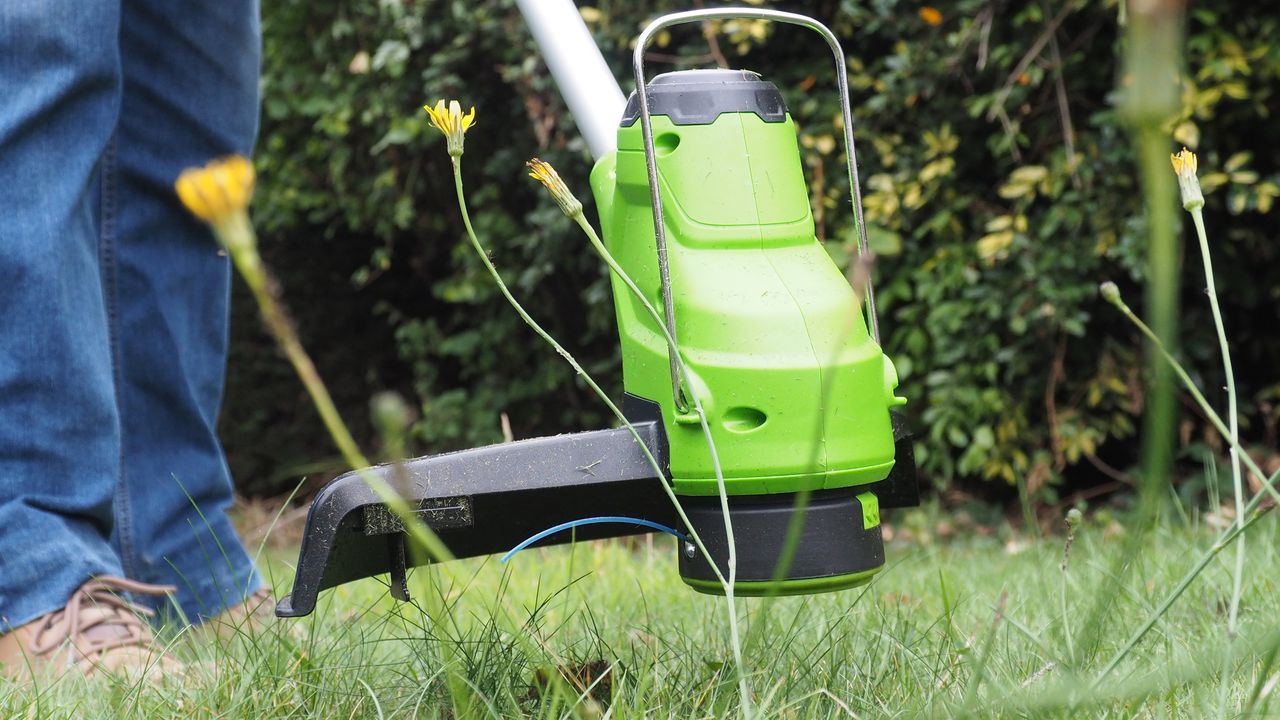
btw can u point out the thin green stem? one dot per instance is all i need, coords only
(568, 357)
(604, 397)
(1196, 395)
(686, 375)
(1237, 578)
(1066, 616)
(1233, 418)
(266, 294)
(1236, 530)
(241, 242)
(573, 362)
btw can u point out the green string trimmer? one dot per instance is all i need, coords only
(704, 204)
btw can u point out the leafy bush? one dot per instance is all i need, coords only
(999, 191)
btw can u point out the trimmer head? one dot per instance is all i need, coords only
(837, 546)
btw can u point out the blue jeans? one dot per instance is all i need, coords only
(113, 301)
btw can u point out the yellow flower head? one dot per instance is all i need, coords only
(547, 175)
(450, 121)
(1185, 165)
(1184, 161)
(219, 191)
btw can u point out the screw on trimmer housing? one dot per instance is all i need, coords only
(703, 201)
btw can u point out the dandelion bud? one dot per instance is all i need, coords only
(1074, 517)
(547, 175)
(1109, 292)
(451, 122)
(390, 413)
(1185, 165)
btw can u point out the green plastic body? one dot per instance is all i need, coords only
(796, 391)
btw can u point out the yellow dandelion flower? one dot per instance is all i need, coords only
(1184, 161)
(543, 172)
(219, 191)
(1185, 165)
(450, 121)
(930, 16)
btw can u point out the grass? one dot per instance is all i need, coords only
(975, 628)
(972, 627)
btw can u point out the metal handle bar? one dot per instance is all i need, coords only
(646, 125)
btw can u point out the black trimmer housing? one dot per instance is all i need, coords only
(487, 500)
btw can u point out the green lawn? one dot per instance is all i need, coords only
(971, 627)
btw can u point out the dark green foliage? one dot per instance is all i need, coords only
(992, 235)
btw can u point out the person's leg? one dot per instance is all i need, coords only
(190, 94)
(59, 436)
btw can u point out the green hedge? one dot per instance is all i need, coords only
(992, 230)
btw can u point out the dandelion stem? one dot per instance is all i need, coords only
(674, 349)
(544, 173)
(569, 358)
(1197, 215)
(219, 194)
(1073, 520)
(1235, 531)
(1237, 579)
(1203, 404)
(239, 238)
(244, 253)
